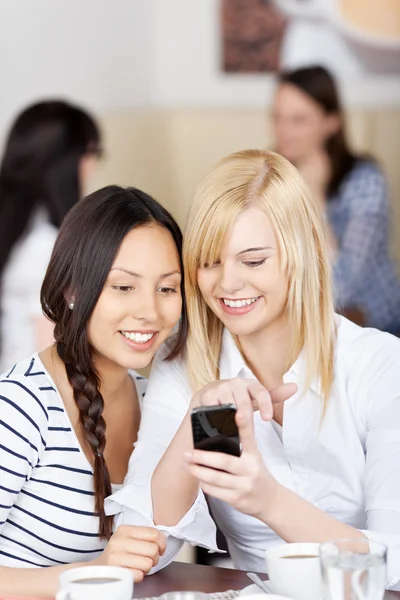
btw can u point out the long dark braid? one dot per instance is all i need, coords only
(85, 384)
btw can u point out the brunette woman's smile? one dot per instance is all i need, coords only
(140, 341)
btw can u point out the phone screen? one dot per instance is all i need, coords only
(214, 428)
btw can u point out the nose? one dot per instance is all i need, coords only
(145, 308)
(230, 280)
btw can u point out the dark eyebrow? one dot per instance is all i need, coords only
(163, 276)
(254, 250)
(126, 271)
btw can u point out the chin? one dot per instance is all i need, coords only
(241, 329)
(291, 154)
(141, 361)
(133, 361)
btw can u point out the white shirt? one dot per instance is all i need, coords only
(47, 511)
(20, 288)
(349, 467)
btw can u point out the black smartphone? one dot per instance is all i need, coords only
(214, 428)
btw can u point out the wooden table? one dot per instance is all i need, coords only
(181, 576)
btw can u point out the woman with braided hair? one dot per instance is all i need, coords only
(70, 414)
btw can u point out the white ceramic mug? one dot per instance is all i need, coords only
(96, 583)
(294, 570)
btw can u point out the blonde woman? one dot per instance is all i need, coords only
(324, 464)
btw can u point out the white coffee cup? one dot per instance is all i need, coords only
(96, 583)
(294, 570)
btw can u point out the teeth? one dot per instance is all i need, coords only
(139, 338)
(239, 303)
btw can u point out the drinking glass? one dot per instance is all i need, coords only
(353, 569)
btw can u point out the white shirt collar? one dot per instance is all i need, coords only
(232, 364)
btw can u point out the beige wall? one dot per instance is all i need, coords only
(167, 152)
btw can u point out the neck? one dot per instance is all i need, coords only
(319, 154)
(266, 352)
(113, 378)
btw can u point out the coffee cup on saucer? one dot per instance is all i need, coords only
(96, 583)
(294, 570)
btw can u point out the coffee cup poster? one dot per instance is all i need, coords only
(348, 36)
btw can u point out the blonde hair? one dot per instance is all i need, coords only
(270, 182)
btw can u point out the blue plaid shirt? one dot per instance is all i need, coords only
(364, 274)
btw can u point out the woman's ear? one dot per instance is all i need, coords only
(70, 300)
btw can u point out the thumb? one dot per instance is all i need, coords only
(245, 423)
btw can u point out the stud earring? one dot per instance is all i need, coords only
(70, 305)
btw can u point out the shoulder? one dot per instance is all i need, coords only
(169, 375)
(40, 241)
(161, 362)
(140, 383)
(365, 169)
(367, 360)
(364, 344)
(40, 237)
(365, 186)
(30, 257)
(27, 391)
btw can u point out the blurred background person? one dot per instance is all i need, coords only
(351, 192)
(50, 152)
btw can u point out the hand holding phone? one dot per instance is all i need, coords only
(214, 428)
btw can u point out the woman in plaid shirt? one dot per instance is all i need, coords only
(350, 190)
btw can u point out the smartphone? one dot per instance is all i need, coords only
(214, 428)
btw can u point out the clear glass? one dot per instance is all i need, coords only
(353, 569)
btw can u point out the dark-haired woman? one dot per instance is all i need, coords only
(50, 151)
(351, 191)
(70, 414)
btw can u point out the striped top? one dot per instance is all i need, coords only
(47, 513)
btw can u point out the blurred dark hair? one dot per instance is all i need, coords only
(40, 167)
(83, 255)
(319, 84)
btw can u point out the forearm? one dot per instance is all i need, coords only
(41, 582)
(173, 489)
(296, 520)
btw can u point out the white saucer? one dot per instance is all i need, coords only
(252, 589)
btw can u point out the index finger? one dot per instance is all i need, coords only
(162, 542)
(147, 534)
(262, 399)
(265, 399)
(283, 392)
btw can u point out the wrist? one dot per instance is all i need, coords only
(95, 561)
(271, 510)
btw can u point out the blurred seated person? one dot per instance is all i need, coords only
(350, 190)
(50, 152)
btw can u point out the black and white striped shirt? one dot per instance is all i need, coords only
(46, 482)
